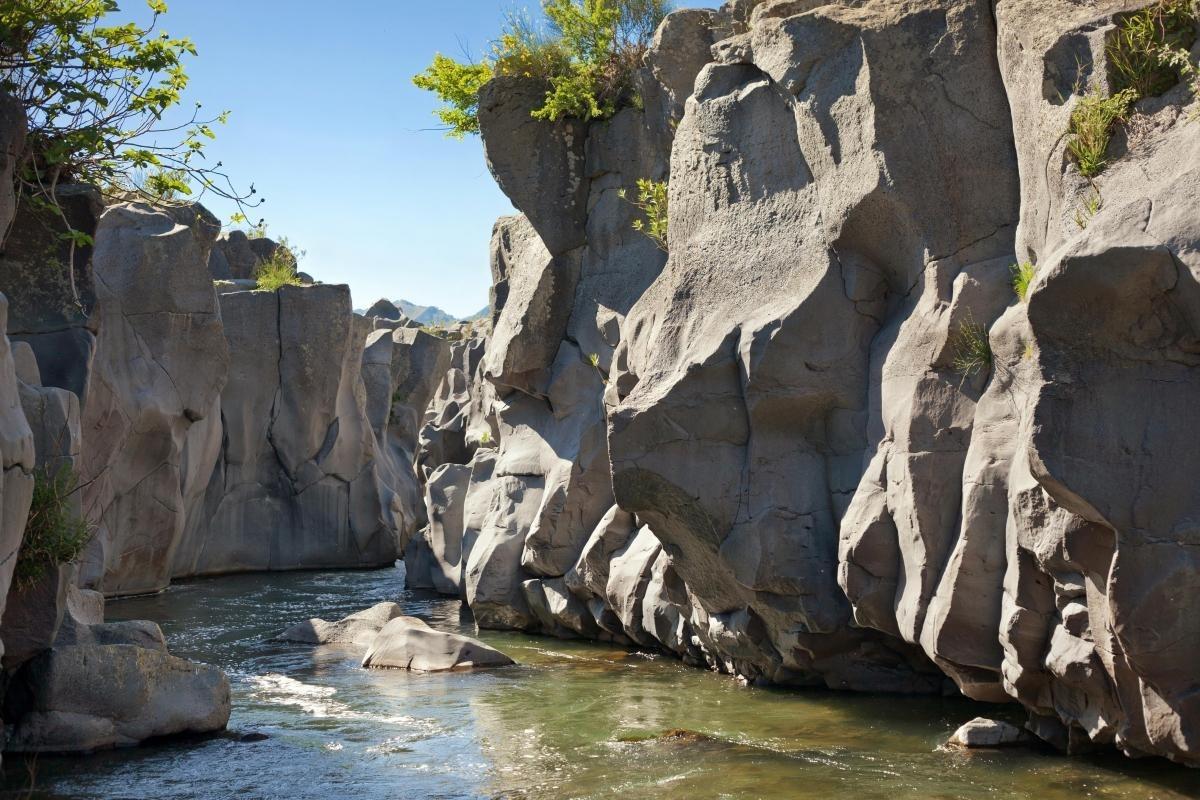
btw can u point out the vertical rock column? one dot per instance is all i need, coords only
(160, 365)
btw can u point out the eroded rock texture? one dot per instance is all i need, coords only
(766, 453)
(161, 362)
(294, 484)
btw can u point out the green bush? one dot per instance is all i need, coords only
(280, 269)
(972, 349)
(458, 86)
(54, 534)
(586, 52)
(1092, 123)
(652, 202)
(1022, 276)
(1147, 54)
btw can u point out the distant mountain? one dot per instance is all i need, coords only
(426, 315)
(432, 315)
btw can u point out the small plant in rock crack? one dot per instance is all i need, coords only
(972, 350)
(594, 360)
(1022, 276)
(485, 438)
(1092, 124)
(54, 533)
(1147, 54)
(1091, 207)
(652, 202)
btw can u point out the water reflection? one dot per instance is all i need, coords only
(574, 720)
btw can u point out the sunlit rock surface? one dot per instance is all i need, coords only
(764, 453)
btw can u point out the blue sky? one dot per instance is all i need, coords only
(328, 126)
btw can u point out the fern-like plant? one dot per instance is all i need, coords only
(652, 202)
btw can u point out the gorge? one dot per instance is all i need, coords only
(819, 439)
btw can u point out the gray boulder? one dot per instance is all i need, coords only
(983, 732)
(236, 256)
(59, 706)
(385, 309)
(359, 628)
(409, 643)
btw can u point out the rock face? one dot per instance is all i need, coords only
(161, 363)
(213, 432)
(360, 628)
(61, 707)
(53, 305)
(235, 256)
(767, 453)
(294, 484)
(19, 461)
(410, 644)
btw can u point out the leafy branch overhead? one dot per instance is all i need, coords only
(585, 51)
(98, 97)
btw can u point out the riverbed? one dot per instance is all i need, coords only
(573, 720)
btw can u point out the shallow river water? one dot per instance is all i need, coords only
(574, 720)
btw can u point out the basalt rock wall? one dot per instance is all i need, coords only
(768, 451)
(222, 430)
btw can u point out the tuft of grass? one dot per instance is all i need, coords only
(1092, 123)
(280, 269)
(1148, 53)
(1091, 207)
(54, 534)
(1022, 276)
(972, 350)
(652, 202)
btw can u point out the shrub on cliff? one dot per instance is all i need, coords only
(652, 202)
(1147, 54)
(98, 97)
(280, 269)
(586, 53)
(54, 533)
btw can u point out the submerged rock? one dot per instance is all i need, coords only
(409, 643)
(359, 628)
(983, 732)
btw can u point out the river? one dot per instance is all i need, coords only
(574, 720)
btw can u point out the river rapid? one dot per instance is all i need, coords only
(573, 720)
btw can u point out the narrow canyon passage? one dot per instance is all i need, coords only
(574, 719)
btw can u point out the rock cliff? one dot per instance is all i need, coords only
(767, 452)
(820, 442)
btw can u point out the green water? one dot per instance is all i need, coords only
(574, 720)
